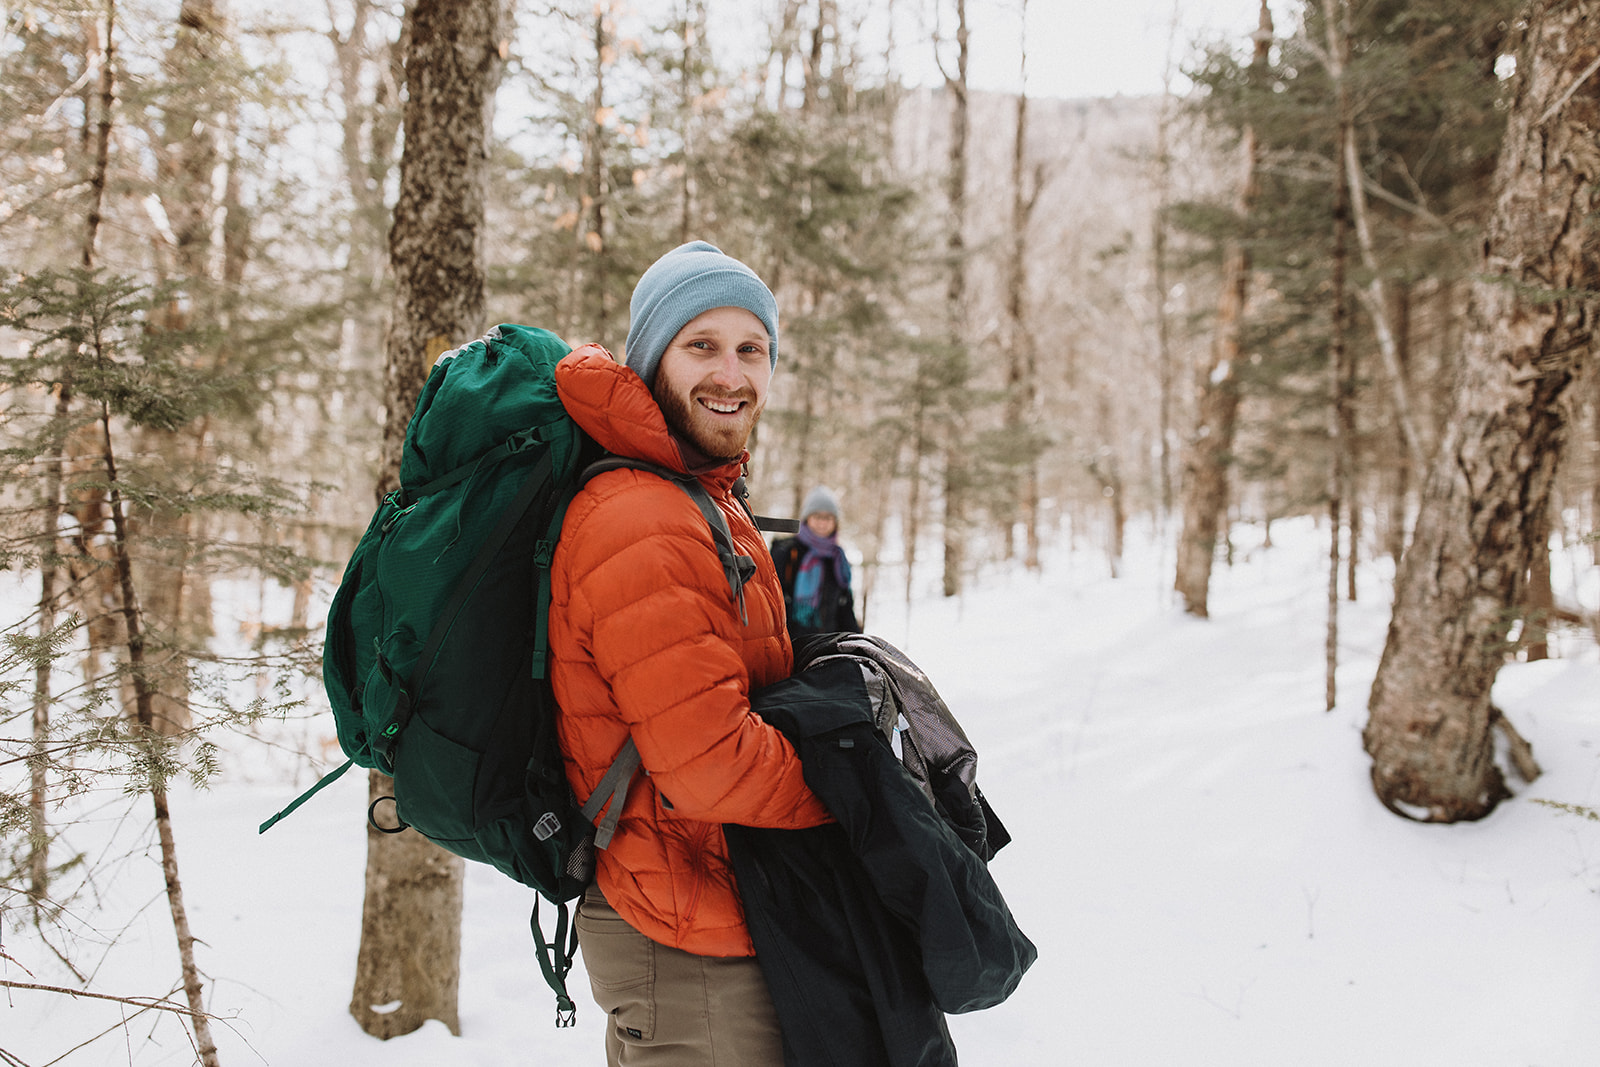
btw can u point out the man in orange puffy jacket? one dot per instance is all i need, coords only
(649, 643)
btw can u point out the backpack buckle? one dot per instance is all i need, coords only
(543, 553)
(388, 524)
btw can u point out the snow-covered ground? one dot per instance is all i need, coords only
(1198, 856)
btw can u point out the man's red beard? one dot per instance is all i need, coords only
(718, 436)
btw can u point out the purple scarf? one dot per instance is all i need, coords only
(820, 552)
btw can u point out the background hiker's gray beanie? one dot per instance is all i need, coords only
(819, 501)
(688, 281)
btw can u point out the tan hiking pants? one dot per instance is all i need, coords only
(670, 1008)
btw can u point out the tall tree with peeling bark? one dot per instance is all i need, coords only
(1486, 502)
(409, 963)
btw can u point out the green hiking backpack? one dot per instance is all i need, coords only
(436, 647)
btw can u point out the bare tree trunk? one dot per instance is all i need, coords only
(368, 129)
(236, 247)
(1022, 372)
(1339, 417)
(1486, 505)
(1160, 285)
(955, 459)
(595, 252)
(1373, 298)
(783, 49)
(814, 79)
(409, 964)
(189, 152)
(1108, 475)
(689, 84)
(370, 72)
(370, 78)
(920, 446)
(102, 135)
(1400, 486)
(1354, 516)
(1539, 604)
(1209, 451)
(49, 570)
(1594, 490)
(177, 603)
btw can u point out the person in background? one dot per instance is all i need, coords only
(814, 572)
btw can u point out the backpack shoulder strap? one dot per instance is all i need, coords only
(767, 523)
(737, 568)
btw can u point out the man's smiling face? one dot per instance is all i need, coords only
(713, 378)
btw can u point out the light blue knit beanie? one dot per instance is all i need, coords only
(820, 501)
(688, 281)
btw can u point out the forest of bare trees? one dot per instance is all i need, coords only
(1349, 272)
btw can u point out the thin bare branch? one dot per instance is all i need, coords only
(1561, 101)
(142, 1003)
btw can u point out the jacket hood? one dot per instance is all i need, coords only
(614, 406)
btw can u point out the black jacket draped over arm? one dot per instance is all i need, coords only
(871, 929)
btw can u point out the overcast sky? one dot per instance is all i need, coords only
(1091, 47)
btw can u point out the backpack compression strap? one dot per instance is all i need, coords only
(614, 787)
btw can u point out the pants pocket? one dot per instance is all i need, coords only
(622, 969)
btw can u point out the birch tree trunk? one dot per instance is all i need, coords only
(1209, 450)
(1485, 507)
(409, 964)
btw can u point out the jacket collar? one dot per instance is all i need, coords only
(612, 404)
